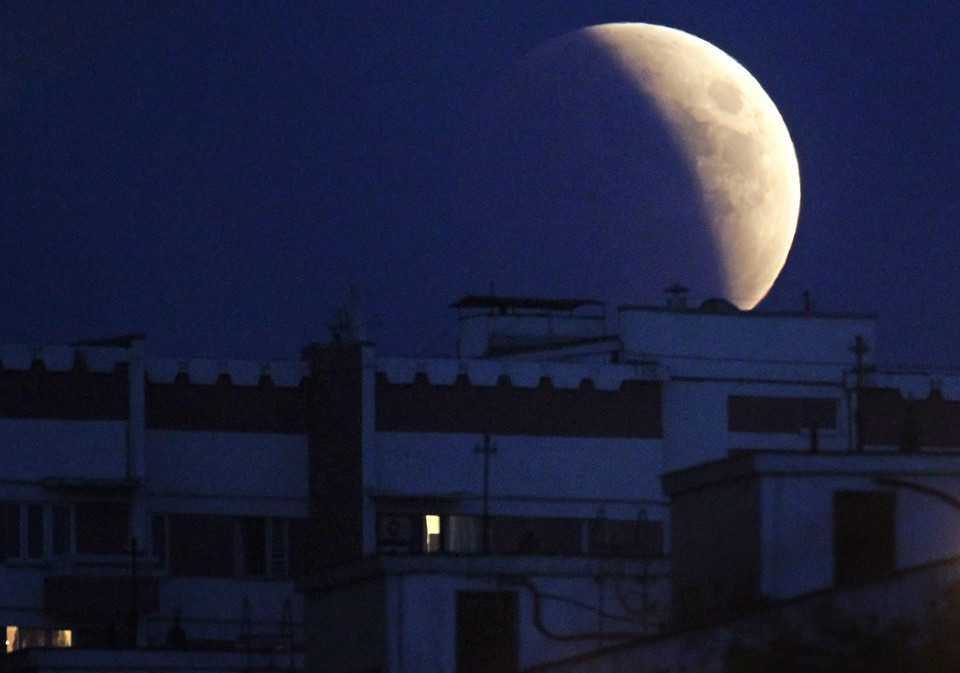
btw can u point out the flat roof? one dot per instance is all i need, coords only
(757, 463)
(710, 307)
(502, 303)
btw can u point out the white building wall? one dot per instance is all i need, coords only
(575, 607)
(928, 529)
(796, 510)
(798, 530)
(63, 461)
(227, 472)
(579, 471)
(222, 608)
(797, 546)
(235, 474)
(698, 341)
(35, 449)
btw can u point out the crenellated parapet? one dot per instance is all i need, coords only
(517, 398)
(282, 374)
(94, 359)
(911, 411)
(516, 373)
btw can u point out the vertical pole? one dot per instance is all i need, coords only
(859, 349)
(645, 587)
(134, 607)
(487, 448)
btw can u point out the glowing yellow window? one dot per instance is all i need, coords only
(18, 638)
(433, 544)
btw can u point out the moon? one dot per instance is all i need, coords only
(594, 122)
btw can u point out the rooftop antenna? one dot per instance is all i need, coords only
(349, 324)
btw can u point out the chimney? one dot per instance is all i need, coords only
(677, 296)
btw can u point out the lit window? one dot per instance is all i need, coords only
(433, 534)
(61, 638)
(20, 638)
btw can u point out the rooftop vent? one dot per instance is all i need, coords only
(718, 305)
(677, 296)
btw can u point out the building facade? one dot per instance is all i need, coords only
(504, 507)
(150, 504)
(496, 510)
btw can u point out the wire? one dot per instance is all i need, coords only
(538, 598)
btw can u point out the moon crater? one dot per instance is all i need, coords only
(726, 95)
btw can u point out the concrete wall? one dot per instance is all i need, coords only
(346, 631)
(225, 606)
(563, 605)
(716, 562)
(914, 597)
(53, 454)
(798, 527)
(35, 449)
(228, 472)
(531, 468)
(741, 343)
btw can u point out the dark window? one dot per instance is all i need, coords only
(746, 413)
(864, 539)
(530, 535)
(633, 410)
(889, 419)
(78, 394)
(279, 566)
(636, 538)
(158, 539)
(226, 407)
(253, 546)
(400, 533)
(299, 550)
(487, 632)
(691, 603)
(9, 530)
(102, 528)
(201, 545)
(62, 533)
(35, 530)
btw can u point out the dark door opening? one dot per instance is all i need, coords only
(487, 632)
(864, 537)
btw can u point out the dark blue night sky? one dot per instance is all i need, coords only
(218, 174)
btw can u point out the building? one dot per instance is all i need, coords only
(805, 523)
(152, 506)
(807, 561)
(503, 509)
(497, 510)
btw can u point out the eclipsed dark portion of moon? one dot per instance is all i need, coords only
(638, 156)
(575, 185)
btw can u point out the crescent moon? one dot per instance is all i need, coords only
(729, 134)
